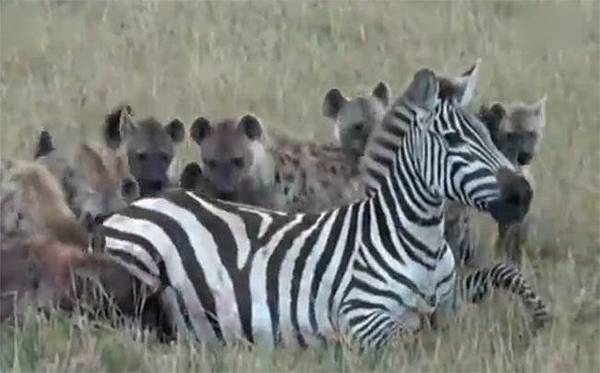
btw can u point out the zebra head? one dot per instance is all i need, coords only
(456, 155)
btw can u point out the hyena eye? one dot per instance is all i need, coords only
(141, 156)
(358, 127)
(165, 157)
(511, 136)
(211, 164)
(238, 162)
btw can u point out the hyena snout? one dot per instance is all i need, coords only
(524, 158)
(91, 221)
(515, 197)
(152, 186)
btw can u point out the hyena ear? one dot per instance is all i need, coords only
(90, 164)
(492, 117)
(176, 130)
(115, 123)
(200, 130)
(334, 102)
(45, 145)
(383, 93)
(190, 176)
(251, 126)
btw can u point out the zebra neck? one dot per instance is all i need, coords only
(382, 148)
(406, 204)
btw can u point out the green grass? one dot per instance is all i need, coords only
(64, 65)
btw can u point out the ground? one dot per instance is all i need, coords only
(65, 64)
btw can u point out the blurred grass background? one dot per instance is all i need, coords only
(65, 64)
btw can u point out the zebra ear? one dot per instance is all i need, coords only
(423, 90)
(423, 94)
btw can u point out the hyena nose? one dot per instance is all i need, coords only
(524, 158)
(156, 186)
(98, 219)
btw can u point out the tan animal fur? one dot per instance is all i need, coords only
(33, 203)
(244, 163)
(97, 181)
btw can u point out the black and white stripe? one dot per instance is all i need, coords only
(367, 270)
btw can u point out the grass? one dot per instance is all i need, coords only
(65, 64)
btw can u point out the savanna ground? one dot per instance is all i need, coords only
(65, 64)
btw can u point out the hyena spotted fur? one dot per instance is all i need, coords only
(96, 181)
(149, 146)
(243, 163)
(517, 130)
(33, 203)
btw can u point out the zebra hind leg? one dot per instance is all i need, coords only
(475, 286)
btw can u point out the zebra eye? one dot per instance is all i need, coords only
(453, 138)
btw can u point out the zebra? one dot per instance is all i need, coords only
(364, 272)
(383, 143)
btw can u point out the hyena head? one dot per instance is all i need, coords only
(96, 184)
(33, 202)
(354, 119)
(101, 184)
(516, 129)
(150, 146)
(230, 151)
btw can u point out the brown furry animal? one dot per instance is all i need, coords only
(97, 182)
(517, 130)
(355, 118)
(242, 163)
(43, 273)
(32, 202)
(149, 145)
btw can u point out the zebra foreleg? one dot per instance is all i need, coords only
(475, 286)
(374, 328)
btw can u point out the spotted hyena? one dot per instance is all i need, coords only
(41, 272)
(96, 181)
(517, 130)
(33, 202)
(243, 163)
(354, 119)
(149, 145)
